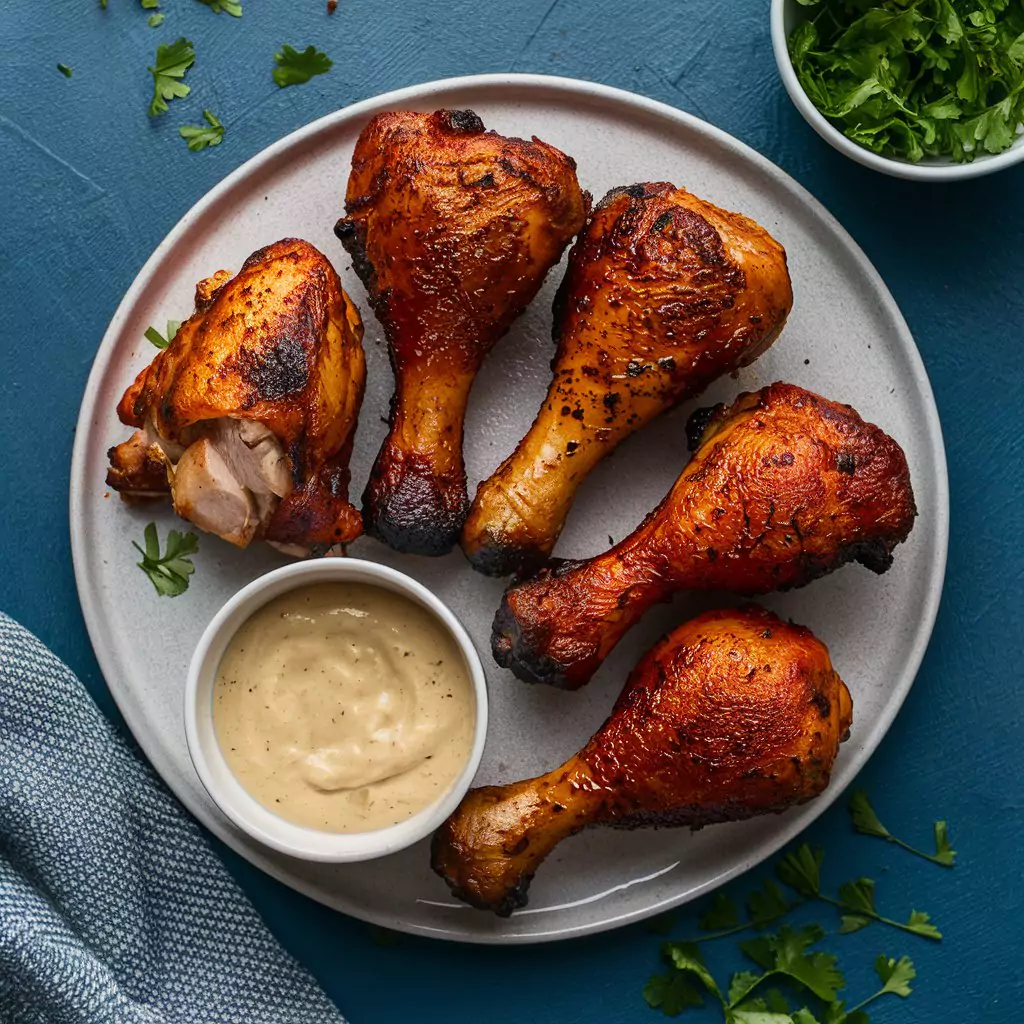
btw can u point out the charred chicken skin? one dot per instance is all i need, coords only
(784, 487)
(734, 714)
(246, 418)
(664, 293)
(452, 229)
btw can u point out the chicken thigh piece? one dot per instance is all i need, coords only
(452, 229)
(664, 293)
(246, 418)
(733, 714)
(784, 487)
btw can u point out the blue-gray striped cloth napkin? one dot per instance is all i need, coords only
(113, 907)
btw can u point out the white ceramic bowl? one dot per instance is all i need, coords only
(225, 789)
(785, 16)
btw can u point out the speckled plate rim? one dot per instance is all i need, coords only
(413, 95)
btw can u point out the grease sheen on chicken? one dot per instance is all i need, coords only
(246, 418)
(785, 486)
(664, 293)
(452, 229)
(733, 714)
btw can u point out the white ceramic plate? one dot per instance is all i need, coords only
(845, 339)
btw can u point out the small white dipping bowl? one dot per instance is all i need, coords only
(220, 782)
(786, 15)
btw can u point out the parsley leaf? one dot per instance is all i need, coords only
(199, 137)
(742, 1015)
(741, 985)
(858, 896)
(800, 869)
(154, 337)
(685, 956)
(895, 975)
(944, 853)
(864, 818)
(786, 954)
(866, 821)
(232, 7)
(64, 70)
(858, 900)
(767, 904)
(815, 971)
(295, 68)
(804, 1016)
(672, 993)
(721, 915)
(915, 80)
(169, 573)
(172, 61)
(155, 20)
(920, 924)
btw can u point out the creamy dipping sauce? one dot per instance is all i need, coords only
(344, 707)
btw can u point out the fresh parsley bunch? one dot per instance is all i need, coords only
(788, 967)
(916, 78)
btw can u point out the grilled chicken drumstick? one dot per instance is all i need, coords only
(664, 293)
(246, 418)
(452, 230)
(784, 487)
(734, 714)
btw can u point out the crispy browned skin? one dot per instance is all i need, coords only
(279, 344)
(784, 487)
(664, 293)
(734, 714)
(452, 230)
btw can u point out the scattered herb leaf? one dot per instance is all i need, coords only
(153, 336)
(721, 915)
(685, 956)
(64, 70)
(895, 975)
(784, 955)
(787, 958)
(787, 955)
(865, 820)
(746, 1015)
(232, 7)
(200, 136)
(672, 993)
(800, 869)
(295, 68)
(169, 573)
(155, 20)
(767, 904)
(172, 61)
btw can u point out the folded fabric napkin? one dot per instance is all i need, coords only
(113, 907)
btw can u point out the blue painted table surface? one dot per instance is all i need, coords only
(90, 186)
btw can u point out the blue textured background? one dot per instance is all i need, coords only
(90, 186)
